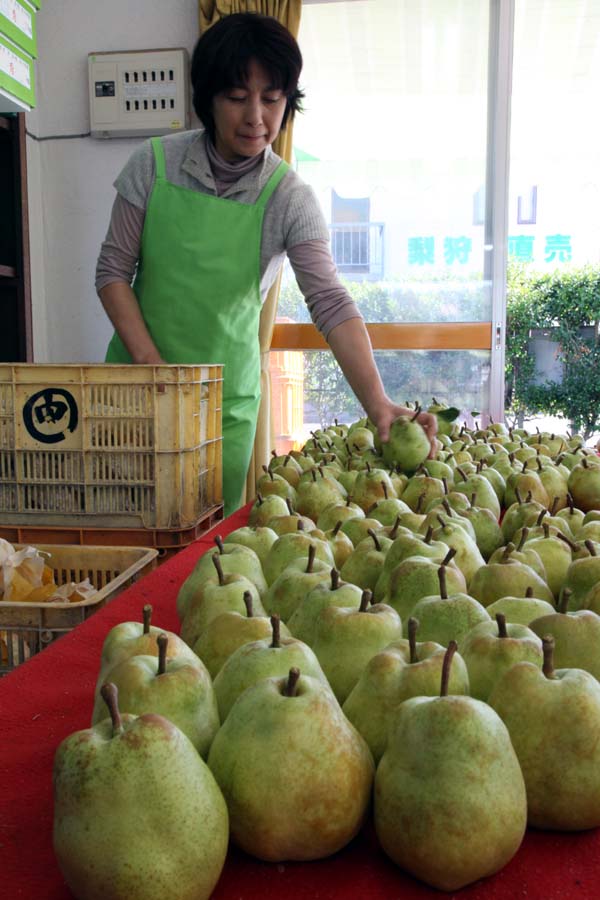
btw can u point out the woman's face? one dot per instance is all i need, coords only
(248, 118)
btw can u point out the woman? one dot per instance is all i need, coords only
(201, 224)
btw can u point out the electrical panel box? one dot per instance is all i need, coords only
(138, 93)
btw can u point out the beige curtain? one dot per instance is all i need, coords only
(288, 12)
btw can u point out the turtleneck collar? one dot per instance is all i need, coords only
(226, 173)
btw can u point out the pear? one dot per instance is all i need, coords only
(521, 610)
(456, 811)
(387, 510)
(138, 639)
(227, 595)
(289, 733)
(172, 688)
(345, 639)
(492, 647)
(265, 508)
(231, 630)
(259, 539)
(581, 576)
(405, 545)
(122, 792)
(290, 523)
(403, 669)
(340, 544)
(488, 533)
(408, 445)
(297, 579)
(294, 545)
(337, 512)
(527, 482)
(262, 659)
(522, 553)
(333, 593)
(507, 578)
(576, 636)
(358, 529)
(480, 487)
(553, 717)
(584, 484)
(592, 599)
(270, 483)
(364, 566)
(371, 485)
(417, 577)
(467, 558)
(448, 617)
(556, 557)
(518, 514)
(423, 490)
(314, 495)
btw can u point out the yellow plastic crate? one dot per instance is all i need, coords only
(26, 628)
(109, 446)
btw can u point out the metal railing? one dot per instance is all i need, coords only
(357, 248)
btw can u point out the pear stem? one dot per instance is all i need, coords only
(110, 695)
(413, 625)
(543, 512)
(335, 579)
(448, 655)
(501, 620)
(563, 537)
(447, 506)
(417, 413)
(147, 618)
(524, 536)
(529, 592)
(163, 642)
(288, 503)
(336, 527)
(590, 547)
(365, 600)
(384, 489)
(275, 623)
(395, 528)
(291, 683)
(508, 550)
(217, 564)
(563, 600)
(429, 535)
(312, 552)
(373, 535)
(554, 505)
(299, 525)
(518, 496)
(248, 604)
(219, 543)
(443, 583)
(449, 555)
(548, 650)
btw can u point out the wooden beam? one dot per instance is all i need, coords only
(413, 336)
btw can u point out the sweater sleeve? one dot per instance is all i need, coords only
(120, 250)
(328, 301)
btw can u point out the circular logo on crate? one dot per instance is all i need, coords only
(49, 414)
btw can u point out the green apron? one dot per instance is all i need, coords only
(198, 286)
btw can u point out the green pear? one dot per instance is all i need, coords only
(265, 508)
(581, 576)
(172, 688)
(417, 577)
(408, 445)
(289, 733)
(138, 639)
(467, 558)
(592, 599)
(371, 485)
(270, 483)
(122, 791)
(555, 555)
(488, 533)
(387, 511)
(422, 490)
(447, 617)
(316, 494)
(553, 717)
(337, 512)
(519, 514)
(521, 610)
(345, 639)
(327, 593)
(403, 669)
(227, 595)
(584, 484)
(491, 648)
(288, 524)
(507, 578)
(340, 544)
(576, 636)
(259, 539)
(263, 659)
(294, 546)
(405, 545)
(523, 553)
(231, 630)
(527, 482)
(358, 529)
(364, 566)
(480, 487)
(297, 579)
(456, 811)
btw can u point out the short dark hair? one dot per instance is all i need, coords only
(222, 55)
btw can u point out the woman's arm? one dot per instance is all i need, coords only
(351, 347)
(124, 312)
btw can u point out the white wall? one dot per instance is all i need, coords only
(70, 181)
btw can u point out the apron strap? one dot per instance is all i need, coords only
(159, 158)
(271, 184)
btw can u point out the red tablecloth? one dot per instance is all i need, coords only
(50, 696)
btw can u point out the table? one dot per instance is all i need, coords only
(50, 696)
